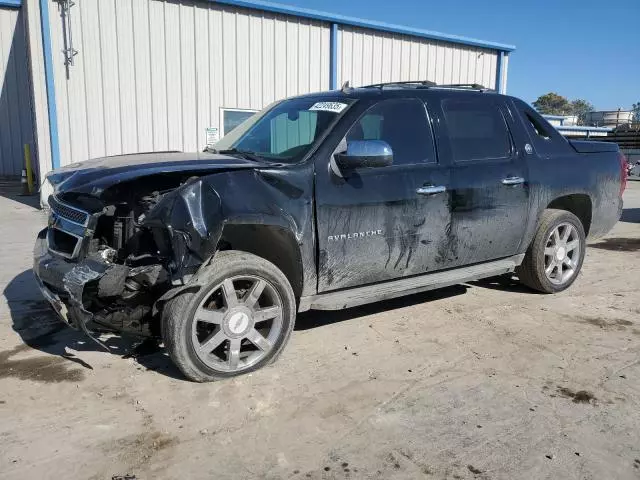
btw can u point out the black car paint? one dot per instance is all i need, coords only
(94, 176)
(476, 219)
(481, 204)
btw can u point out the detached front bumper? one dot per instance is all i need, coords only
(51, 270)
(93, 295)
(55, 302)
(62, 283)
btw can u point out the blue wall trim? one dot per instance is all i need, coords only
(499, 72)
(11, 3)
(359, 22)
(51, 90)
(333, 67)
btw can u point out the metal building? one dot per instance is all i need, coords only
(91, 78)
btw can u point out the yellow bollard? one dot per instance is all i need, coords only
(27, 161)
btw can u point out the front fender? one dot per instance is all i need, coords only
(194, 216)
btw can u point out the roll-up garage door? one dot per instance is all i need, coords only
(16, 120)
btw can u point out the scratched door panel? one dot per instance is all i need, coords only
(374, 226)
(489, 181)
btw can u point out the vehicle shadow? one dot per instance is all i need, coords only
(321, 318)
(630, 215)
(505, 283)
(39, 327)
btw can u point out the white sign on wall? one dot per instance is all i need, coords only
(213, 136)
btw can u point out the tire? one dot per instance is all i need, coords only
(543, 250)
(210, 319)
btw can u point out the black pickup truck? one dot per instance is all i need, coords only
(322, 201)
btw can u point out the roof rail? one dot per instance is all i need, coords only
(430, 84)
(466, 86)
(407, 83)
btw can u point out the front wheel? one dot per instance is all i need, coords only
(238, 322)
(556, 253)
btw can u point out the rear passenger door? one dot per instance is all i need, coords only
(489, 191)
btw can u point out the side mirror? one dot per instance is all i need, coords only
(365, 154)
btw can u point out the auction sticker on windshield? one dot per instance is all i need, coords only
(336, 107)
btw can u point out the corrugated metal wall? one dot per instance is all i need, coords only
(16, 123)
(368, 57)
(152, 75)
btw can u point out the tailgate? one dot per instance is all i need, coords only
(586, 146)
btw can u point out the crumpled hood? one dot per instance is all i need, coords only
(96, 175)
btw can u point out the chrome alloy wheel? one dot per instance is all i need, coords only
(237, 323)
(562, 253)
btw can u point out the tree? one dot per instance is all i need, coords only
(552, 104)
(636, 111)
(580, 108)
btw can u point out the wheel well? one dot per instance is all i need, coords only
(579, 204)
(275, 244)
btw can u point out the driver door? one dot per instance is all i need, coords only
(383, 223)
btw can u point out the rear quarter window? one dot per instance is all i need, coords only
(545, 138)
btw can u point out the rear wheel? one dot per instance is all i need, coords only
(556, 253)
(239, 322)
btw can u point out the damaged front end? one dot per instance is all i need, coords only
(103, 262)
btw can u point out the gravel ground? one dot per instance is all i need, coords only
(483, 381)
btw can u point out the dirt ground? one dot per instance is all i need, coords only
(481, 381)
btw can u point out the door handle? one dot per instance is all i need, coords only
(431, 190)
(513, 181)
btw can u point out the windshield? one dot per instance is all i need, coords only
(285, 131)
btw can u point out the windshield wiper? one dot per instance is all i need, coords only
(243, 153)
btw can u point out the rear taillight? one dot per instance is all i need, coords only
(623, 172)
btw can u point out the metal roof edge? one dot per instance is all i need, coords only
(11, 3)
(359, 22)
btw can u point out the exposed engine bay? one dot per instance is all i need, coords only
(129, 236)
(121, 258)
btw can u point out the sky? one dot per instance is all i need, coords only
(584, 49)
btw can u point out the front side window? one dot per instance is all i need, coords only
(285, 131)
(477, 130)
(403, 124)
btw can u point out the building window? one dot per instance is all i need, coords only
(232, 117)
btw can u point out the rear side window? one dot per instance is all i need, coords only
(403, 124)
(477, 130)
(536, 127)
(546, 139)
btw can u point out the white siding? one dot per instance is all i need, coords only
(152, 75)
(369, 56)
(16, 123)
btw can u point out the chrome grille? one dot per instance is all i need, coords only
(66, 211)
(68, 228)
